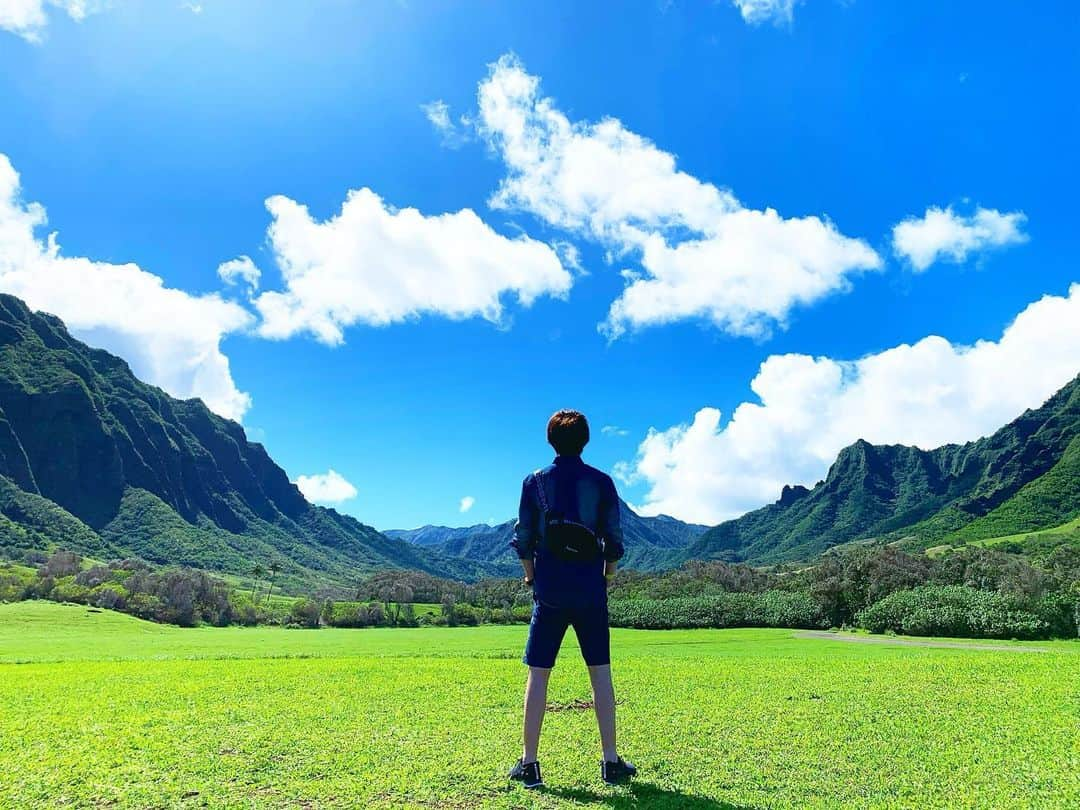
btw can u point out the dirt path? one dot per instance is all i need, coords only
(907, 642)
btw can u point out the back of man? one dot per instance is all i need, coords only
(580, 494)
(569, 539)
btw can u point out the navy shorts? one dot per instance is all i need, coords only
(548, 626)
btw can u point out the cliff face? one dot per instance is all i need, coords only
(80, 431)
(920, 496)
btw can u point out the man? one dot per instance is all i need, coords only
(569, 539)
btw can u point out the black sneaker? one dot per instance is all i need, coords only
(618, 771)
(528, 775)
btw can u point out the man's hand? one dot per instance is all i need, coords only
(609, 571)
(530, 572)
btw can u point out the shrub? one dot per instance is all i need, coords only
(61, 564)
(521, 613)
(464, 615)
(305, 613)
(92, 577)
(768, 609)
(15, 584)
(67, 590)
(108, 595)
(143, 605)
(349, 614)
(951, 610)
(1061, 612)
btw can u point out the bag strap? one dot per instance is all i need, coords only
(540, 492)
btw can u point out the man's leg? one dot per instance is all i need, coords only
(546, 632)
(535, 704)
(604, 704)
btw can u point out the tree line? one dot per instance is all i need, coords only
(971, 591)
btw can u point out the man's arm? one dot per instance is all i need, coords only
(530, 571)
(611, 529)
(527, 529)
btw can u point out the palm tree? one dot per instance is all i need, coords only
(258, 572)
(275, 566)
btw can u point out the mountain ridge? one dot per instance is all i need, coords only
(649, 540)
(918, 498)
(127, 469)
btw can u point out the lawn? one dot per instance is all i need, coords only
(101, 709)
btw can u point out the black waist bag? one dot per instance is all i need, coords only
(567, 539)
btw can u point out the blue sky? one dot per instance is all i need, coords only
(591, 156)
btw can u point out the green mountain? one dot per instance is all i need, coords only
(1024, 477)
(649, 540)
(98, 462)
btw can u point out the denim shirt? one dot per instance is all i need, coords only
(581, 493)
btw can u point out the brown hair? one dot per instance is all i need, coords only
(568, 432)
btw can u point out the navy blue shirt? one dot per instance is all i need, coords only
(583, 494)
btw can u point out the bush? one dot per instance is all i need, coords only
(61, 564)
(768, 609)
(144, 605)
(305, 613)
(521, 613)
(1061, 612)
(245, 612)
(463, 616)
(67, 590)
(349, 614)
(108, 595)
(15, 584)
(951, 610)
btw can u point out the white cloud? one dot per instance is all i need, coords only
(170, 338)
(240, 269)
(453, 134)
(328, 487)
(375, 264)
(927, 394)
(29, 18)
(756, 12)
(703, 254)
(614, 430)
(942, 234)
(466, 504)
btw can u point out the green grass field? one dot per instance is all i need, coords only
(102, 710)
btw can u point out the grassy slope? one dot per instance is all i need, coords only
(1039, 504)
(1064, 529)
(430, 718)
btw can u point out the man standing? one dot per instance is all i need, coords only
(569, 539)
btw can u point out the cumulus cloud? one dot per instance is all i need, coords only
(240, 270)
(807, 408)
(702, 253)
(943, 234)
(169, 337)
(29, 18)
(756, 12)
(467, 503)
(327, 487)
(375, 264)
